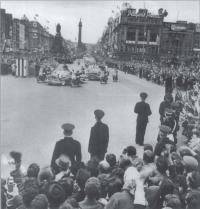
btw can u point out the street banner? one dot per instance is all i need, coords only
(17, 69)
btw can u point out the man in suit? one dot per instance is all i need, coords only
(143, 110)
(67, 146)
(99, 137)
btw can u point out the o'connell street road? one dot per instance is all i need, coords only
(31, 114)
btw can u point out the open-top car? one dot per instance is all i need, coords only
(93, 73)
(60, 76)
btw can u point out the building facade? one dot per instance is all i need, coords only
(177, 40)
(22, 35)
(133, 34)
(139, 34)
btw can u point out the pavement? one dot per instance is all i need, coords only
(32, 114)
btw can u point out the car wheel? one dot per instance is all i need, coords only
(63, 83)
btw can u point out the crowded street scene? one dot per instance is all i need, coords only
(100, 105)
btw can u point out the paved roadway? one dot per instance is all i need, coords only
(32, 113)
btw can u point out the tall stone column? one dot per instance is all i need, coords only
(79, 33)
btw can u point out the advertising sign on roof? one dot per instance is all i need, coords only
(131, 12)
(175, 27)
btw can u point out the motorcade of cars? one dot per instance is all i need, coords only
(60, 76)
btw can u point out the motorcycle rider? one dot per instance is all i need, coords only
(102, 75)
(73, 78)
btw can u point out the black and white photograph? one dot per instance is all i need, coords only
(100, 104)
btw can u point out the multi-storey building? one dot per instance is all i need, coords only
(22, 35)
(133, 34)
(177, 40)
(139, 34)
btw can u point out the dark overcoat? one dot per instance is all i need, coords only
(69, 147)
(99, 138)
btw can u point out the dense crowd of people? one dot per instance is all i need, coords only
(167, 176)
(181, 76)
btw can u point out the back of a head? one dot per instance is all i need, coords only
(30, 191)
(82, 176)
(130, 151)
(194, 179)
(148, 147)
(92, 166)
(39, 202)
(114, 185)
(166, 187)
(92, 188)
(125, 163)
(45, 174)
(161, 164)
(118, 172)
(173, 201)
(148, 156)
(193, 200)
(104, 167)
(56, 194)
(67, 184)
(33, 170)
(111, 159)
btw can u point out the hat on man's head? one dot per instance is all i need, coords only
(67, 126)
(165, 129)
(143, 95)
(63, 162)
(99, 113)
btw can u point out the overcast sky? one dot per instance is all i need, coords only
(94, 14)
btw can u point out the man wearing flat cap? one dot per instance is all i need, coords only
(67, 146)
(99, 137)
(143, 110)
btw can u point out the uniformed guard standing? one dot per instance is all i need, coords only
(67, 146)
(99, 137)
(143, 110)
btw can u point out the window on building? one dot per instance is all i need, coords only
(141, 35)
(153, 37)
(131, 35)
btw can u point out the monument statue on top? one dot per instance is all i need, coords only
(58, 48)
(58, 28)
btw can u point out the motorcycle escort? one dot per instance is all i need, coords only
(76, 80)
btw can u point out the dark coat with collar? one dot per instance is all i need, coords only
(99, 138)
(69, 147)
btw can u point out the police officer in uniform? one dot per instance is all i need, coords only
(143, 110)
(99, 137)
(67, 146)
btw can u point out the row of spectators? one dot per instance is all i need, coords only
(181, 76)
(169, 179)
